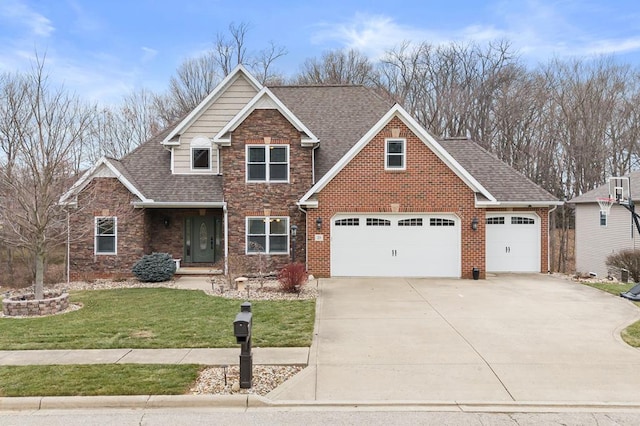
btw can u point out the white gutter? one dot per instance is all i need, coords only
(518, 203)
(179, 205)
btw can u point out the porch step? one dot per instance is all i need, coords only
(192, 270)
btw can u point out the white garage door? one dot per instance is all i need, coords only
(513, 242)
(395, 245)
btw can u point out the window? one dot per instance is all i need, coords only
(200, 159)
(374, 221)
(603, 219)
(395, 154)
(268, 163)
(106, 235)
(410, 222)
(352, 221)
(200, 154)
(517, 220)
(268, 235)
(495, 220)
(438, 221)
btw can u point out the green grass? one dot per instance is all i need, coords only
(631, 334)
(99, 379)
(158, 318)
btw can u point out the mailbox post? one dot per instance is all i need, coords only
(242, 331)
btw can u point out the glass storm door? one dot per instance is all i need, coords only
(200, 239)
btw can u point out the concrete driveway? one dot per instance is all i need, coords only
(510, 338)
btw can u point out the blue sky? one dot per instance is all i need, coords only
(104, 49)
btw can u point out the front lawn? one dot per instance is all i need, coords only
(101, 379)
(631, 334)
(158, 318)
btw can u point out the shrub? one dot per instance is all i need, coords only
(628, 259)
(292, 277)
(155, 267)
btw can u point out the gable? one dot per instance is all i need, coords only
(398, 113)
(426, 178)
(265, 100)
(218, 107)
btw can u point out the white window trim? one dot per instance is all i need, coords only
(200, 142)
(386, 154)
(606, 219)
(267, 220)
(115, 236)
(267, 162)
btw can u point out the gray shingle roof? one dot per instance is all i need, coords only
(603, 191)
(148, 169)
(502, 181)
(338, 115)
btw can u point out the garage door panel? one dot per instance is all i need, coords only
(513, 242)
(395, 245)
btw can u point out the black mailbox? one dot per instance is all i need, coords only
(242, 327)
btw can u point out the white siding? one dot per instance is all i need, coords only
(594, 242)
(237, 95)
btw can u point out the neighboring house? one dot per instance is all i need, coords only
(598, 235)
(370, 192)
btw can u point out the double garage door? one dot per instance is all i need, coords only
(395, 245)
(428, 245)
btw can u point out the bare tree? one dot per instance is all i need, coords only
(116, 131)
(50, 126)
(337, 67)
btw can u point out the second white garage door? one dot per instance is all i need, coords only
(395, 245)
(513, 242)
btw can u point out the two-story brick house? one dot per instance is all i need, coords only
(369, 191)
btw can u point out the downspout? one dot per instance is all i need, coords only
(226, 239)
(549, 238)
(306, 236)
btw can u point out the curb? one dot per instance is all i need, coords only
(248, 401)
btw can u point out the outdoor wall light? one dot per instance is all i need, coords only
(319, 223)
(474, 223)
(166, 222)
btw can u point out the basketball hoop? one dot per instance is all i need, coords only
(605, 204)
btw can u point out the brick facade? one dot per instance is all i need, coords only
(265, 126)
(427, 185)
(105, 197)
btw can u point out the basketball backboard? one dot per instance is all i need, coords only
(619, 189)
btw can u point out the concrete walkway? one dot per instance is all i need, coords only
(509, 339)
(204, 356)
(509, 343)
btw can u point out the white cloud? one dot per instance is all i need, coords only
(148, 54)
(20, 13)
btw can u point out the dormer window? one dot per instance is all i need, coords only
(267, 163)
(201, 154)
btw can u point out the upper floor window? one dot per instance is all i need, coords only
(267, 163)
(395, 154)
(603, 219)
(106, 235)
(201, 154)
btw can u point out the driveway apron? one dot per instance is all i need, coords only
(520, 338)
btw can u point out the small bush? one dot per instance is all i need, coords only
(292, 277)
(155, 267)
(626, 259)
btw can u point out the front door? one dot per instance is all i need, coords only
(200, 239)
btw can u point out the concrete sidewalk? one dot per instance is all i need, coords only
(204, 356)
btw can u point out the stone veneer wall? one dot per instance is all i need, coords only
(105, 197)
(265, 126)
(26, 305)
